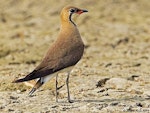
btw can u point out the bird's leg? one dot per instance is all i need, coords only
(38, 84)
(67, 83)
(56, 89)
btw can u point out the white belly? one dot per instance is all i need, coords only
(48, 77)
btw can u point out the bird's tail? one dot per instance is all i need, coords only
(30, 76)
(38, 84)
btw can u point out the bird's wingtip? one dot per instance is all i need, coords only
(19, 80)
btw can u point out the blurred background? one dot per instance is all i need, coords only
(116, 34)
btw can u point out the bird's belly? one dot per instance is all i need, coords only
(48, 77)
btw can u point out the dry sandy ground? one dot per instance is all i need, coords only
(113, 75)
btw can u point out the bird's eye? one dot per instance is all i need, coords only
(72, 10)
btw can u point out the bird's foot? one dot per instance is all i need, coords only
(70, 101)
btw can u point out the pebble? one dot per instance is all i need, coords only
(13, 98)
(18, 91)
(117, 83)
(10, 110)
(114, 103)
(139, 104)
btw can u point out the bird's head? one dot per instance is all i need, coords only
(68, 11)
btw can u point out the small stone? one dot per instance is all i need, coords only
(132, 78)
(139, 104)
(117, 83)
(101, 82)
(114, 103)
(55, 106)
(10, 110)
(102, 90)
(2, 107)
(109, 64)
(18, 91)
(13, 98)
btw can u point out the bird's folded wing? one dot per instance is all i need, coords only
(50, 66)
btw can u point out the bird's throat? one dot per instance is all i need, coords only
(70, 19)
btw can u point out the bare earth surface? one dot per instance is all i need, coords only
(113, 75)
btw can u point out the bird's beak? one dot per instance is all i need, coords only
(81, 11)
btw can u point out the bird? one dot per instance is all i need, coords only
(62, 55)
